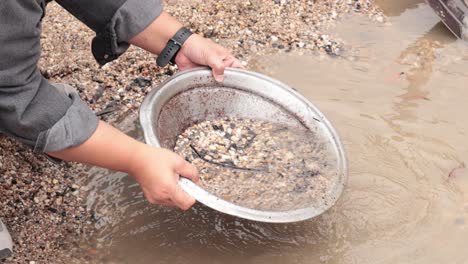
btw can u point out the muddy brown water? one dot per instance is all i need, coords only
(398, 99)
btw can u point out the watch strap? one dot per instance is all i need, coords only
(173, 46)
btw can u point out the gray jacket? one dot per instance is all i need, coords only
(43, 115)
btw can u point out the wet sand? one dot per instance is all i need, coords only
(398, 100)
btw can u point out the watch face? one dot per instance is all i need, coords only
(454, 14)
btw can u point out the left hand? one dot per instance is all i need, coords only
(200, 51)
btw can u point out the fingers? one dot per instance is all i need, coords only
(237, 64)
(231, 61)
(165, 203)
(181, 199)
(216, 64)
(187, 170)
(178, 197)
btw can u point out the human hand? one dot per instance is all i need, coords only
(157, 171)
(200, 51)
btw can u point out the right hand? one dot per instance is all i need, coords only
(157, 170)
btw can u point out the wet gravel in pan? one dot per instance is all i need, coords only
(258, 164)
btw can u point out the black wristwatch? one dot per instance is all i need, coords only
(168, 54)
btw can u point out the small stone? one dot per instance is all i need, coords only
(281, 2)
(173, 68)
(59, 200)
(142, 82)
(274, 38)
(380, 19)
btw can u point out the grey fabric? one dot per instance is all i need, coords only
(45, 116)
(67, 131)
(114, 21)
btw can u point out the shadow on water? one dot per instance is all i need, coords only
(395, 99)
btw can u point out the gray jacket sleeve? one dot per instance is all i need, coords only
(45, 116)
(42, 115)
(114, 21)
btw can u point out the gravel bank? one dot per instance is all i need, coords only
(41, 203)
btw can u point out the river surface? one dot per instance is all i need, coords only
(398, 99)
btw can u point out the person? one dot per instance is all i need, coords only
(52, 119)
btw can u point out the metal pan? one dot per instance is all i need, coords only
(193, 96)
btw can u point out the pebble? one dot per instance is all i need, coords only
(142, 82)
(334, 15)
(379, 19)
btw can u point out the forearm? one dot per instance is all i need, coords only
(107, 147)
(156, 170)
(155, 37)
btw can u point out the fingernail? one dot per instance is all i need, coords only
(219, 78)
